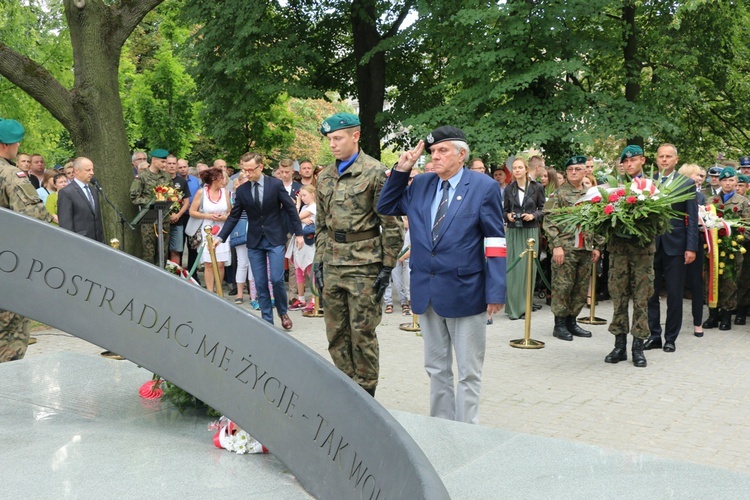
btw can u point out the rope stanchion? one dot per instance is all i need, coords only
(214, 263)
(592, 319)
(413, 326)
(316, 297)
(527, 342)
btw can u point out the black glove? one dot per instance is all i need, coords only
(381, 282)
(318, 277)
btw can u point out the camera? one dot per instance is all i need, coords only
(517, 219)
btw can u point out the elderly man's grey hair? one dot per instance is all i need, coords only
(459, 145)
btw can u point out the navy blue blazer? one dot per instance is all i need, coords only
(684, 233)
(452, 274)
(268, 221)
(74, 212)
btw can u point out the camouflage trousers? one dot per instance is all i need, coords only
(570, 282)
(14, 336)
(631, 276)
(351, 316)
(151, 244)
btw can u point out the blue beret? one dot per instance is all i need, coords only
(745, 161)
(11, 131)
(631, 151)
(444, 133)
(159, 153)
(575, 160)
(727, 172)
(339, 121)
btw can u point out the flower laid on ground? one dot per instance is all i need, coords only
(638, 210)
(230, 437)
(179, 271)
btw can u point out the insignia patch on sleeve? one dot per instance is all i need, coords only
(21, 174)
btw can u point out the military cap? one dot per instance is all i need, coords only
(444, 133)
(727, 172)
(11, 131)
(630, 151)
(339, 121)
(575, 160)
(159, 153)
(715, 170)
(743, 178)
(744, 161)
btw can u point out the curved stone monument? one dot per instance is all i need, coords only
(337, 440)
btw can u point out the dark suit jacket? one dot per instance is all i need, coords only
(75, 213)
(684, 233)
(452, 274)
(296, 186)
(268, 221)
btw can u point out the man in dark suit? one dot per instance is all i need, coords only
(264, 200)
(674, 250)
(78, 207)
(452, 213)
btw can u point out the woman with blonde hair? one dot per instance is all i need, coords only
(694, 270)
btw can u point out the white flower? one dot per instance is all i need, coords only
(641, 197)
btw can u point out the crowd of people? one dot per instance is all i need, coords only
(354, 237)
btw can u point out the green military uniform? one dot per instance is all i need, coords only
(631, 276)
(728, 288)
(570, 280)
(17, 194)
(353, 242)
(142, 193)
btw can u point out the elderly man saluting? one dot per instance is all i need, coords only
(454, 283)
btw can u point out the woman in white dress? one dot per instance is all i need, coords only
(212, 204)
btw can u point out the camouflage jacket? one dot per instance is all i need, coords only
(346, 203)
(17, 193)
(142, 188)
(566, 196)
(736, 207)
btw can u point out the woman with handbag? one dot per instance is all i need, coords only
(212, 204)
(303, 257)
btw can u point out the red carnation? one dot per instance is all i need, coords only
(596, 199)
(631, 199)
(609, 209)
(621, 192)
(613, 197)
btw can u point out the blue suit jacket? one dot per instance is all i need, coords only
(452, 274)
(268, 221)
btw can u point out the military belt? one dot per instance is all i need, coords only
(342, 237)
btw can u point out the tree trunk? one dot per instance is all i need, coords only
(631, 62)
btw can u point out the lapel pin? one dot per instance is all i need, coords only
(458, 198)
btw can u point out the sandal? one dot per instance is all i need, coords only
(388, 309)
(405, 310)
(238, 300)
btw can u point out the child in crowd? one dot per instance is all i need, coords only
(303, 258)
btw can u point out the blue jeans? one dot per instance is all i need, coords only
(257, 257)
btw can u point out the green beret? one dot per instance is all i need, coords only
(11, 131)
(631, 151)
(444, 133)
(575, 160)
(159, 153)
(743, 178)
(339, 121)
(727, 173)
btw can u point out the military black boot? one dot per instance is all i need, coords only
(713, 318)
(620, 352)
(639, 359)
(574, 329)
(561, 331)
(726, 320)
(741, 317)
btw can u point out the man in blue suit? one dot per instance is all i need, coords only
(454, 281)
(674, 250)
(264, 200)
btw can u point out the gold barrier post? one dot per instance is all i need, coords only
(214, 264)
(527, 342)
(316, 297)
(592, 319)
(413, 326)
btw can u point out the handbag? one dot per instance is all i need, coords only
(193, 229)
(239, 235)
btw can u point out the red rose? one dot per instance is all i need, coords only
(735, 209)
(721, 207)
(613, 198)
(719, 213)
(609, 209)
(741, 229)
(596, 199)
(716, 201)
(631, 199)
(722, 232)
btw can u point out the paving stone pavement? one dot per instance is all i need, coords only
(690, 405)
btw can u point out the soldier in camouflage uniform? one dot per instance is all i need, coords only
(17, 194)
(356, 248)
(733, 206)
(572, 255)
(142, 193)
(631, 276)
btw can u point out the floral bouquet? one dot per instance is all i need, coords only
(230, 437)
(639, 210)
(169, 193)
(179, 271)
(725, 238)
